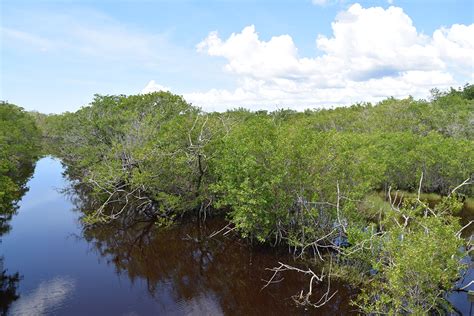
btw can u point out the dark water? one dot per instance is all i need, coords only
(142, 270)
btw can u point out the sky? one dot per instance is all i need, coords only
(223, 54)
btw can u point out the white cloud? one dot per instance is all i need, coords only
(247, 55)
(152, 86)
(373, 53)
(368, 41)
(455, 46)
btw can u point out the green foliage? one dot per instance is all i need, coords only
(267, 174)
(412, 261)
(142, 149)
(19, 148)
(250, 178)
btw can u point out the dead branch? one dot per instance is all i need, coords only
(465, 182)
(226, 228)
(466, 286)
(302, 298)
(464, 227)
(338, 208)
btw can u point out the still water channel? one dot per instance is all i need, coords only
(141, 270)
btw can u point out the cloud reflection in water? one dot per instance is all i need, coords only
(47, 298)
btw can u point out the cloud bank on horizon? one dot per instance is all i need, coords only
(373, 53)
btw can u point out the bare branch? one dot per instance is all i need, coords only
(302, 298)
(338, 207)
(465, 182)
(464, 227)
(467, 285)
(419, 186)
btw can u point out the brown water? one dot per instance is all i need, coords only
(142, 270)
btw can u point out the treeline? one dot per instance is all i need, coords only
(19, 148)
(177, 159)
(301, 178)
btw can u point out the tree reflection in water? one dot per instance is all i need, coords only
(9, 281)
(8, 288)
(223, 273)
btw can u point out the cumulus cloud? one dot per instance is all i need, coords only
(367, 42)
(152, 86)
(455, 45)
(372, 53)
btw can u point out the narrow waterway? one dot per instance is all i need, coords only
(141, 270)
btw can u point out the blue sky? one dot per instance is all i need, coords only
(55, 55)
